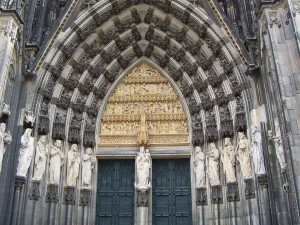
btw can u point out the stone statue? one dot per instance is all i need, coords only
(5, 139)
(88, 163)
(278, 145)
(143, 165)
(40, 158)
(257, 151)
(199, 164)
(5, 111)
(229, 161)
(143, 134)
(73, 165)
(213, 165)
(56, 161)
(242, 154)
(29, 118)
(26, 153)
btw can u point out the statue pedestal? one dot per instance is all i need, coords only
(52, 193)
(34, 193)
(69, 195)
(85, 194)
(250, 189)
(233, 192)
(216, 194)
(201, 196)
(142, 206)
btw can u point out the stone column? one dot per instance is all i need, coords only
(19, 182)
(263, 182)
(142, 206)
(8, 32)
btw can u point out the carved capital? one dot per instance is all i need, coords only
(216, 194)
(34, 192)
(249, 189)
(142, 198)
(201, 196)
(233, 192)
(69, 195)
(85, 195)
(52, 193)
(263, 180)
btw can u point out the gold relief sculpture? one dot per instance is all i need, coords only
(144, 110)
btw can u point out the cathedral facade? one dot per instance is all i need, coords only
(149, 112)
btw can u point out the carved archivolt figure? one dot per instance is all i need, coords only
(40, 158)
(278, 145)
(73, 165)
(229, 161)
(56, 161)
(88, 163)
(213, 165)
(242, 154)
(257, 151)
(26, 153)
(199, 163)
(143, 165)
(5, 139)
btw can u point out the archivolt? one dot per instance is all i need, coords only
(107, 39)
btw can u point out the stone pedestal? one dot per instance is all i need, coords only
(201, 196)
(142, 198)
(216, 194)
(262, 180)
(69, 195)
(52, 193)
(233, 192)
(34, 192)
(19, 182)
(85, 195)
(249, 189)
(142, 206)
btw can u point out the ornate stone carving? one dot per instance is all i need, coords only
(201, 196)
(249, 189)
(206, 102)
(199, 167)
(257, 151)
(58, 131)
(199, 84)
(216, 194)
(69, 195)
(74, 131)
(26, 153)
(34, 193)
(211, 127)
(73, 166)
(277, 139)
(221, 98)
(143, 90)
(228, 159)
(213, 166)
(143, 166)
(4, 113)
(43, 116)
(240, 116)
(142, 198)
(263, 180)
(56, 161)
(243, 156)
(226, 122)
(29, 119)
(89, 134)
(85, 195)
(40, 159)
(65, 100)
(52, 194)
(88, 163)
(233, 192)
(48, 89)
(5, 139)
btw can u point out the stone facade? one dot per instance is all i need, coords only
(105, 79)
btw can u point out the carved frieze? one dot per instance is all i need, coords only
(144, 90)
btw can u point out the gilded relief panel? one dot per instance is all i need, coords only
(144, 102)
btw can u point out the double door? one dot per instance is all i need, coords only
(171, 192)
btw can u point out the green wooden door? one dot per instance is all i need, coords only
(115, 194)
(171, 192)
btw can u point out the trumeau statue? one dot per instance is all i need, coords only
(88, 163)
(228, 161)
(199, 165)
(257, 151)
(213, 165)
(5, 139)
(26, 153)
(278, 145)
(143, 166)
(73, 165)
(243, 155)
(40, 158)
(56, 161)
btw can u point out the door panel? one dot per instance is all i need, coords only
(171, 192)
(115, 195)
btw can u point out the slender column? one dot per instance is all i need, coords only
(263, 181)
(143, 209)
(19, 182)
